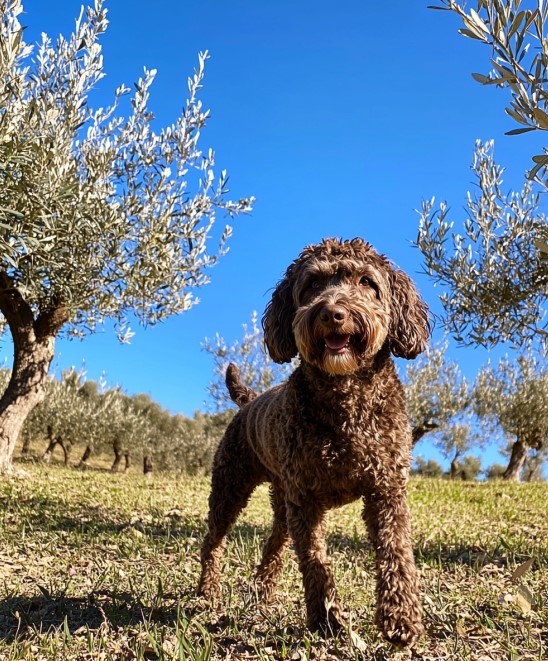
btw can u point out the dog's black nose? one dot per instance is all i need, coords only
(333, 314)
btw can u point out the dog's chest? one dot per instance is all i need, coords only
(333, 463)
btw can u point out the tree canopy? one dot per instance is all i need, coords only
(495, 270)
(97, 211)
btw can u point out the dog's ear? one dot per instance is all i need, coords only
(277, 323)
(410, 323)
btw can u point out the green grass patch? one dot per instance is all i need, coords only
(96, 565)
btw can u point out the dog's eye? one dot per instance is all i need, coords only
(315, 284)
(365, 281)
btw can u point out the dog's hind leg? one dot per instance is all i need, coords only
(235, 475)
(271, 563)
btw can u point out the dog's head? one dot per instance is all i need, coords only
(338, 304)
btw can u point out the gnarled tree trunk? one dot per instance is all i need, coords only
(422, 429)
(454, 468)
(25, 390)
(517, 460)
(33, 351)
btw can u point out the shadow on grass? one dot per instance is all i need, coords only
(46, 514)
(21, 616)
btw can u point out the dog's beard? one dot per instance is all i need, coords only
(339, 364)
(343, 351)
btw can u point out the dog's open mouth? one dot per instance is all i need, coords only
(337, 343)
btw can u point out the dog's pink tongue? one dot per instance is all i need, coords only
(336, 342)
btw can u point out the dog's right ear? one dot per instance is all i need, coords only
(277, 324)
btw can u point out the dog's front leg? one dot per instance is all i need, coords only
(399, 611)
(307, 528)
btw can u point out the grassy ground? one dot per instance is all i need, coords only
(101, 566)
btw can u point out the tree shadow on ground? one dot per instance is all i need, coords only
(19, 616)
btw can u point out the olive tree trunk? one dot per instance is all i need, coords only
(52, 442)
(25, 448)
(147, 465)
(33, 351)
(83, 463)
(517, 461)
(25, 390)
(454, 468)
(118, 454)
(421, 430)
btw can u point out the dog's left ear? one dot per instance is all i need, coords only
(277, 323)
(410, 323)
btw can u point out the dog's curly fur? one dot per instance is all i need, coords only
(336, 431)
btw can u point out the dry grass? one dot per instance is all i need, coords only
(101, 566)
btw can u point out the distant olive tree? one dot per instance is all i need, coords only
(430, 468)
(101, 216)
(194, 442)
(257, 370)
(468, 468)
(454, 441)
(495, 472)
(513, 397)
(495, 269)
(69, 415)
(435, 390)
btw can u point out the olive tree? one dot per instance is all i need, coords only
(124, 427)
(435, 390)
(102, 216)
(257, 370)
(454, 441)
(514, 398)
(495, 269)
(495, 278)
(194, 442)
(68, 415)
(430, 468)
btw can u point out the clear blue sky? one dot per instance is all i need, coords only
(338, 117)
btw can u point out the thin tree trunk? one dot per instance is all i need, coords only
(83, 461)
(117, 460)
(48, 453)
(46, 457)
(67, 449)
(147, 465)
(25, 449)
(33, 351)
(517, 460)
(127, 457)
(454, 469)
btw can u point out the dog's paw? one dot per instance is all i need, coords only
(400, 628)
(208, 590)
(329, 623)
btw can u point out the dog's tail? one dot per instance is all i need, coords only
(239, 393)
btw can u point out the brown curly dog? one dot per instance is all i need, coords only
(336, 431)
